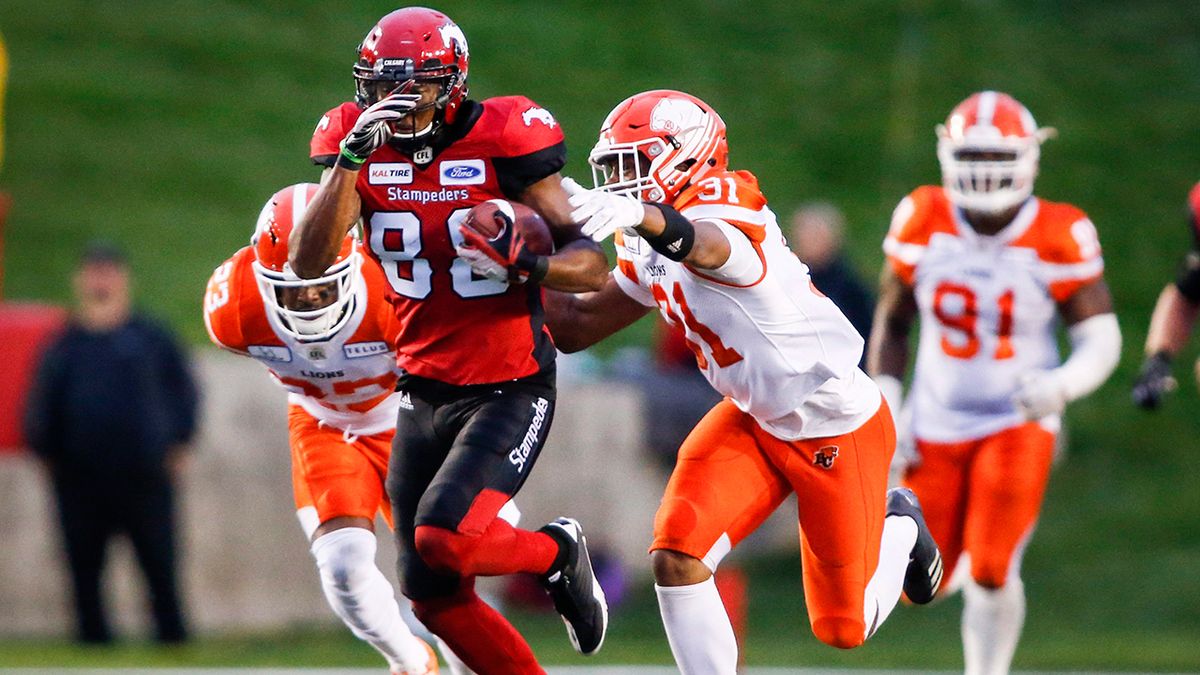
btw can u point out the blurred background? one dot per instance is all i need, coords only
(164, 126)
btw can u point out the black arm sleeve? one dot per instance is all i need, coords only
(515, 174)
(1188, 279)
(326, 161)
(43, 404)
(181, 393)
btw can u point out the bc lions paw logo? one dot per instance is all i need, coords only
(539, 114)
(824, 456)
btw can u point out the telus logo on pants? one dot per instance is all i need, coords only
(520, 454)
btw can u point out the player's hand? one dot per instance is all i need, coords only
(482, 264)
(503, 257)
(372, 130)
(1040, 394)
(600, 214)
(1153, 382)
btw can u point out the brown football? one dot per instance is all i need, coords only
(533, 229)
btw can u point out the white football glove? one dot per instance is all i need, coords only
(600, 213)
(371, 131)
(482, 264)
(1040, 394)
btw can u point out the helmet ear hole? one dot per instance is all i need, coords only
(686, 164)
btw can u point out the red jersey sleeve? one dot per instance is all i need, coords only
(223, 302)
(331, 129)
(530, 145)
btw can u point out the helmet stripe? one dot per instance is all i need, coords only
(987, 108)
(299, 203)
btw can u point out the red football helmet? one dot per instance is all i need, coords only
(412, 45)
(331, 297)
(989, 149)
(653, 144)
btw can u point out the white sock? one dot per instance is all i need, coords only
(364, 600)
(698, 628)
(991, 626)
(883, 591)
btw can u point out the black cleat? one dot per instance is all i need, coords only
(924, 573)
(577, 595)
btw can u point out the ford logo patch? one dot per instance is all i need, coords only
(461, 172)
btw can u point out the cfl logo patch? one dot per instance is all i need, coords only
(824, 456)
(520, 454)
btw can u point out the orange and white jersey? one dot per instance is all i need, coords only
(347, 381)
(762, 333)
(988, 305)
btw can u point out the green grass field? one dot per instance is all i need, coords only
(165, 125)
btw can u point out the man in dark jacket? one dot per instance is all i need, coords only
(111, 406)
(816, 237)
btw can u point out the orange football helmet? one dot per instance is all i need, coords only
(989, 149)
(278, 285)
(654, 144)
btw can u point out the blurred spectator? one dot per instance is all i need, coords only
(111, 406)
(676, 394)
(817, 231)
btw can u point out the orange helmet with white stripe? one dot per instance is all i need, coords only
(989, 149)
(654, 144)
(306, 309)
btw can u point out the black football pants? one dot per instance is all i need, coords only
(453, 443)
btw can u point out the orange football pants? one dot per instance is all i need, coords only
(335, 474)
(983, 496)
(732, 474)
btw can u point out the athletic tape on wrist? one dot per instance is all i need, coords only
(677, 237)
(348, 160)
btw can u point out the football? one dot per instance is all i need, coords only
(482, 219)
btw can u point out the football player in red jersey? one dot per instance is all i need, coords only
(1172, 322)
(410, 157)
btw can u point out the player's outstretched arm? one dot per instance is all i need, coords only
(578, 321)
(318, 236)
(1170, 328)
(1171, 323)
(578, 264)
(700, 244)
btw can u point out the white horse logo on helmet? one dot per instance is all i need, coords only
(451, 33)
(675, 116)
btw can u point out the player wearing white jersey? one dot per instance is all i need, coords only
(990, 268)
(330, 342)
(799, 416)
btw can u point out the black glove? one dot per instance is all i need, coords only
(372, 130)
(1153, 382)
(503, 257)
